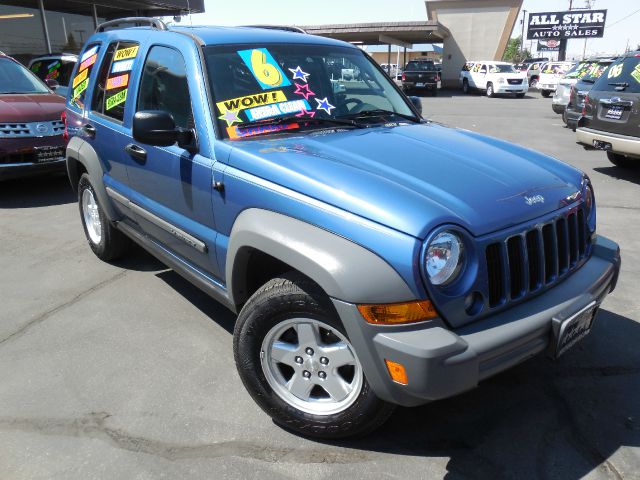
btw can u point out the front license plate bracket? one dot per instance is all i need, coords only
(571, 326)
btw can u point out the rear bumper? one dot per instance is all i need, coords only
(425, 85)
(619, 143)
(441, 362)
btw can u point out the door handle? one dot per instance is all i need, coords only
(136, 152)
(89, 129)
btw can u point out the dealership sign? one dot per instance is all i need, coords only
(549, 45)
(570, 24)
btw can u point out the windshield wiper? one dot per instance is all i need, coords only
(305, 119)
(379, 112)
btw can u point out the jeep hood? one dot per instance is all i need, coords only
(414, 177)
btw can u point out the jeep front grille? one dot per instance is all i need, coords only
(524, 263)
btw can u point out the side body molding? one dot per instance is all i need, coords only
(345, 270)
(80, 151)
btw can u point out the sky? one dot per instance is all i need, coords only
(305, 12)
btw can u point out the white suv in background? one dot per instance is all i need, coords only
(550, 75)
(493, 78)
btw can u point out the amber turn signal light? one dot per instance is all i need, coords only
(397, 372)
(398, 313)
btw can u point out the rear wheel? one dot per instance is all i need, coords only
(490, 92)
(622, 161)
(533, 83)
(295, 359)
(519, 95)
(105, 241)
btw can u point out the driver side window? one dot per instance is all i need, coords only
(483, 69)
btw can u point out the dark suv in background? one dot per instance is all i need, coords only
(421, 74)
(578, 91)
(611, 116)
(31, 128)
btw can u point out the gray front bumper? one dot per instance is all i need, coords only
(441, 362)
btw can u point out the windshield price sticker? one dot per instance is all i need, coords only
(81, 88)
(116, 99)
(250, 101)
(636, 73)
(89, 53)
(237, 132)
(615, 71)
(88, 62)
(80, 77)
(118, 82)
(277, 110)
(264, 68)
(122, 66)
(125, 53)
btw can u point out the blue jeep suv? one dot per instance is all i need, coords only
(373, 258)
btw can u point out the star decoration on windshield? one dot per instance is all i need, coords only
(298, 74)
(303, 90)
(231, 117)
(324, 105)
(305, 113)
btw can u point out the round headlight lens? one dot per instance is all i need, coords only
(444, 258)
(588, 198)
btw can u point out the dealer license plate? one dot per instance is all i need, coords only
(614, 113)
(600, 145)
(49, 154)
(569, 331)
(419, 84)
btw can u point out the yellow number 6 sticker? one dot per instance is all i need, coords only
(615, 71)
(264, 68)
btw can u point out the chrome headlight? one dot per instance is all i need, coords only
(444, 257)
(588, 199)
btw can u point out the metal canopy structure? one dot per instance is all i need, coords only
(403, 34)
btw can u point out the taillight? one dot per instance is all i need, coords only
(584, 105)
(404, 77)
(63, 119)
(437, 77)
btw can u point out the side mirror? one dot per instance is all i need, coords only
(157, 128)
(416, 103)
(52, 83)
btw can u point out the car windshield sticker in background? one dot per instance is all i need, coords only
(35, 67)
(298, 74)
(615, 71)
(264, 68)
(636, 73)
(81, 81)
(238, 132)
(54, 70)
(119, 76)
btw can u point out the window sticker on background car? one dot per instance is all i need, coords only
(87, 62)
(264, 68)
(126, 53)
(35, 67)
(118, 82)
(54, 70)
(615, 71)
(89, 53)
(122, 66)
(298, 74)
(81, 81)
(81, 77)
(277, 110)
(238, 132)
(636, 73)
(116, 99)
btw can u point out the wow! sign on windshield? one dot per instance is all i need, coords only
(570, 24)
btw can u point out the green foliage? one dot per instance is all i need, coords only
(512, 53)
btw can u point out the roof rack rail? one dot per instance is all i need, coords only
(133, 22)
(286, 28)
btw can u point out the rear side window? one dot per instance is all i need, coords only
(622, 76)
(164, 85)
(80, 81)
(112, 86)
(54, 69)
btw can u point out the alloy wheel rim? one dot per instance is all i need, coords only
(91, 216)
(311, 366)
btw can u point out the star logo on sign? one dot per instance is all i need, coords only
(298, 74)
(230, 116)
(303, 90)
(324, 105)
(305, 113)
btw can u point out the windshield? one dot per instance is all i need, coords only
(14, 78)
(502, 68)
(58, 70)
(264, 89)
(420, 66)
(622, 76)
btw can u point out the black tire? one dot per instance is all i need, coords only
(292, 296)
(622, 161)
(465, 86)
(545, 93)
(564, 117)
(490, 92)
(113, 243)
(519, 95)
(533, 82)
(434, 92)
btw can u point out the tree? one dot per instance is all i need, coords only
(512, 53)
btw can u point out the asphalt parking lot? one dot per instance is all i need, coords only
(126, 371)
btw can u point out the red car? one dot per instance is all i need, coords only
(31, 128)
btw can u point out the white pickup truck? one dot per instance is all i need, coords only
(493, 78)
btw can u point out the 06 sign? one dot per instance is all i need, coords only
(570, 24)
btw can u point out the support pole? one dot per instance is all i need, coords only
(45, 30)
(389, 59)
(95, 15)
(404, 59)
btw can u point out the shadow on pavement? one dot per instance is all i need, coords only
(33, 192)
(539, 420)
(629, 174)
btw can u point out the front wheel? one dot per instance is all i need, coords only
(105, 241)
(490, 92)
(296, 361)
(622, 161)
(545, 93)
(465, 87)
(519, 95)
